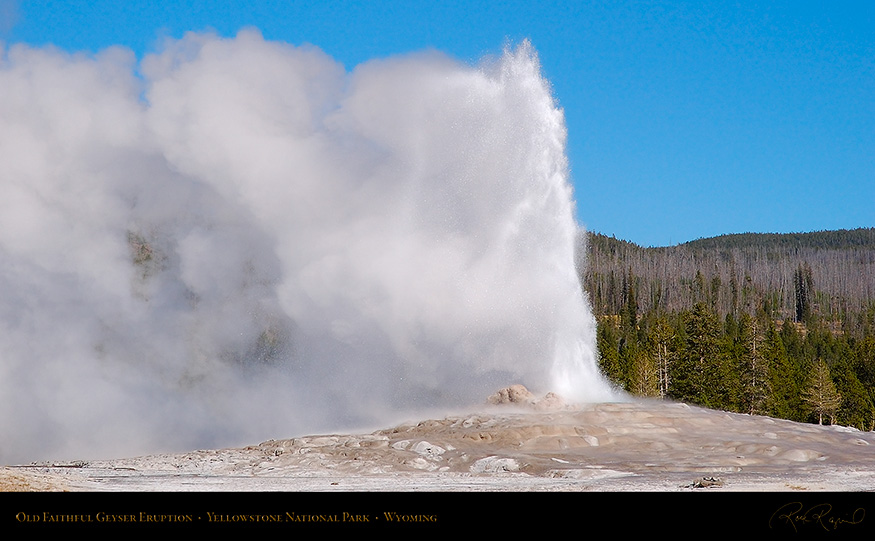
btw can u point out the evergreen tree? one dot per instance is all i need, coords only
(700, 292)
(755, 382)
(661, 305)
(792, 341)
(715, 293)
(821, 395)
(696, 376)
(730, 327)
(786, 397)
(733, 292)
(660, 338)
(629, 350)
(856, 409)
(609, 357)
(864, 363)
(645, 378)
(804, 284)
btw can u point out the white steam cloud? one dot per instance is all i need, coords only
(238, 239)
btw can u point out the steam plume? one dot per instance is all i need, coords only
(238, 239)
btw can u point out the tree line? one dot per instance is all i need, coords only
(739, 273)
(766, 325)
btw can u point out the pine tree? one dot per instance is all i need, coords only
(856, 409)
(697, 374)
(609, 357)
(660, 338)
(785, 399)
(755, 384)
(864, 363)
(629, 350)
(821, 395)
(645, 377)
(804, 284)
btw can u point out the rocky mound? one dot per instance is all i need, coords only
(602, 447)
(518, 395)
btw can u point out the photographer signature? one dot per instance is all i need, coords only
(796, 515)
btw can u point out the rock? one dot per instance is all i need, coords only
(519, 395)
(515, 394)
(551, 402)
(706, 482)
(495, 464)
(428, 450)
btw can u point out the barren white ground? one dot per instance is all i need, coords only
(630, 446)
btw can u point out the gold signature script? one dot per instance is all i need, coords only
(796, 515)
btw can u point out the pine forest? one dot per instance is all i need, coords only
(770, 324)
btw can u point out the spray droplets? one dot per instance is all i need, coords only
(253, 243)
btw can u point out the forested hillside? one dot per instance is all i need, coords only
(782, 325)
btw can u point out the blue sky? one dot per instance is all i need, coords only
(685, 119)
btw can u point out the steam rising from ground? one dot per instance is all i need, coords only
(238, 239)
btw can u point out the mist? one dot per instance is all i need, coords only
(237, 239)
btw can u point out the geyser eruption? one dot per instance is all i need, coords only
(242, 240)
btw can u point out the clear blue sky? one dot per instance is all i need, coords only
(685, 119)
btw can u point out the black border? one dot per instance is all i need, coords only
(703, 512)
